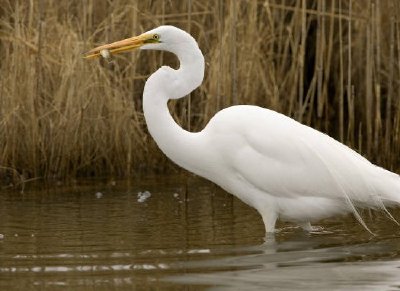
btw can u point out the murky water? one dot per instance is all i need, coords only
(180, 234)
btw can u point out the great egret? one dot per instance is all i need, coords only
(273, 163)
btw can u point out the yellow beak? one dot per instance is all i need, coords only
(121, 46)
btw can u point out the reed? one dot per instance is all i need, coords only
(334, 65)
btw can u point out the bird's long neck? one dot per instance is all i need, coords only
(181, 146)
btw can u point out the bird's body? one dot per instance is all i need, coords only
(273, 163)
(292, 170)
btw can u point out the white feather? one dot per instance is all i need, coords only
(271, 162)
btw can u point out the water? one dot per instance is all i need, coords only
(186, 234)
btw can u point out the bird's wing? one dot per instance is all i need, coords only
(284, 158)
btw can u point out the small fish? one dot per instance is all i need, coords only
(105, 53)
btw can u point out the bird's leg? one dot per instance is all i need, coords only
(269, 218)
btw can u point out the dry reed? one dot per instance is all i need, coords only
(334, 65)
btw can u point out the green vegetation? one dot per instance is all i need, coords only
(334, 65)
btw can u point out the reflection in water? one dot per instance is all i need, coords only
(175, 233)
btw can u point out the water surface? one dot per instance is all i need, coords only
(180, 233)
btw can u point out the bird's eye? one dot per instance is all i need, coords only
(156, 37)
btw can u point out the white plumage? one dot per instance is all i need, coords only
(273, 163)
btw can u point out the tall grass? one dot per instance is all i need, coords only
(334, 65)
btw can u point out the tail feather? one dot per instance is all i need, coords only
(383, 187)
(388, 186)
(391, 196)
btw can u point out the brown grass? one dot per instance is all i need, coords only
(334, 65)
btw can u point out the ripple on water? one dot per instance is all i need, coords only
(193, 235)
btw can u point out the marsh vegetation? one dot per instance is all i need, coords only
(333, 65)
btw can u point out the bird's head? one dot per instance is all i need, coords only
(164, 37)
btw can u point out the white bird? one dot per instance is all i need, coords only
(273, 163)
